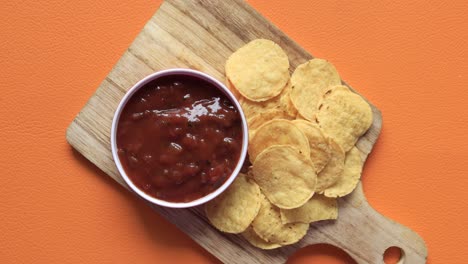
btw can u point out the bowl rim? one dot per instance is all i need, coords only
(139, 85)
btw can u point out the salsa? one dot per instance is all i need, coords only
(179, 138)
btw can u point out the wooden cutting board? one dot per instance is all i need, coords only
(201, 34)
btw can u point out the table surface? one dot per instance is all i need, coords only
(409, 59)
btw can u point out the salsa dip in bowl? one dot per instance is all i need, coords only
(179, 138)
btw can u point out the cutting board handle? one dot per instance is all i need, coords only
(371, 233)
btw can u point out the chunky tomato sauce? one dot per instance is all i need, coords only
(179, 138)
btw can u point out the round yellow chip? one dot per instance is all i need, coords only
(319, 150)
(280, 102)
(317, 208)
(233, 89)
(309, 81)
(234, 210)
(251, 108)
(344, 116)
(258, 120)
(299, 117)
(285, 176)
(257, 241)
(350, 176)
(278, 132)
(332, 171)
(259, 70)
(268, 226)
(285, 101)
(334, 89)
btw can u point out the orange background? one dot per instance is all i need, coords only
(409, 59)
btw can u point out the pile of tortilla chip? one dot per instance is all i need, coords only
(302, 134)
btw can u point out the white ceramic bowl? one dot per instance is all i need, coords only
(202, 76)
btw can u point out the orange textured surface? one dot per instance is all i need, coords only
(409, 59)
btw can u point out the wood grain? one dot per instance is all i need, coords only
(201, 34)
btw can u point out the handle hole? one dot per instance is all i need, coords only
(394, 255)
